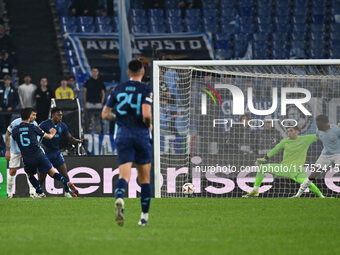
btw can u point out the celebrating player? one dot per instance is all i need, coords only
(13, 154)
(330, 138)
(51, 146)
(295, 149)
(132, 102)
(25, 134)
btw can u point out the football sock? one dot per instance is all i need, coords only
(256, 188)
(120, 188)
(307, 183)
(61, 178)
(258, 179)
(30, 186)
(10, 183)
(36, 184)
(145, 197)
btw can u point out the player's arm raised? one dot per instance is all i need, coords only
(147, 116)
(274, 151)
(107, 114)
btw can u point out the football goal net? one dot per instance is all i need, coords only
(213, 119)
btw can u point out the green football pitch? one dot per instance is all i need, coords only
(177, 226)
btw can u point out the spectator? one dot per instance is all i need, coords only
(84, 7)
(26, 93)
(73, 85)
(43, 96)
(93, 98)
(64, 92)
(5, 41)
(323, 91)
(8, 102)
(6, 64)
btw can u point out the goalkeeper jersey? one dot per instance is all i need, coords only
(294, 151)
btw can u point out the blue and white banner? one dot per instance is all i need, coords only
(102, 50)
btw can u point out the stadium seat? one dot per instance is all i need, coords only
(88, 28)
(279, 36)
(247, 28)
(227, 4)
(317, 53)
(212, 28)
(104, 28)
(85, 20)
(264, 20)
(282, 11)
(158, 13)
(210, 20)
(228, 13)
(261, 53)
(70, 28)
(298, 36)
(303, 4)
(137, 4)
(173, 20)
(138, 20)
(334, 44)
(138, 12)
(155, 20)
(241, 38)
(300, 27)
(281, 20)
(334, 36)
(193, 27)
(210, 5)
(157, 28)
(68, 20)
(264, 12)
(260, 37)
(222, 54)
(246, 3)
(246, 11)
(334, 28)
(283, 3)
(316, 44)
(318, 19)
(264, 4)
(335, 10)
(175, 28)
(334, 53)
(319, 10)
(300, 44)
(318, 28)
(317, 36)
(207, 13)
(174, 13)
(171, 4)
(279, 44)
(192, 20)
(227, 29)
(246, 21)
(222, 44)
(300, 11)
(193, 13)
(280, 54)
(265, 28)
(103, 20)
(299, 19)
(282, 28)
(240, 50)
(297, 53)
(139, 28)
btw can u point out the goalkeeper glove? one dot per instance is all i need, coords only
(260, 161)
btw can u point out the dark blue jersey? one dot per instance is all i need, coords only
(52, 145)
(127, 99)
(25, 134)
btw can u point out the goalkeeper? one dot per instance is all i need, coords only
(295, 149)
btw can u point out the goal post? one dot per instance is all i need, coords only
(212, 119)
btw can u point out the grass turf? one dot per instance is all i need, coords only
(177, 226)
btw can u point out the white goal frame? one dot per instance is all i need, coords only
(156, 83)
